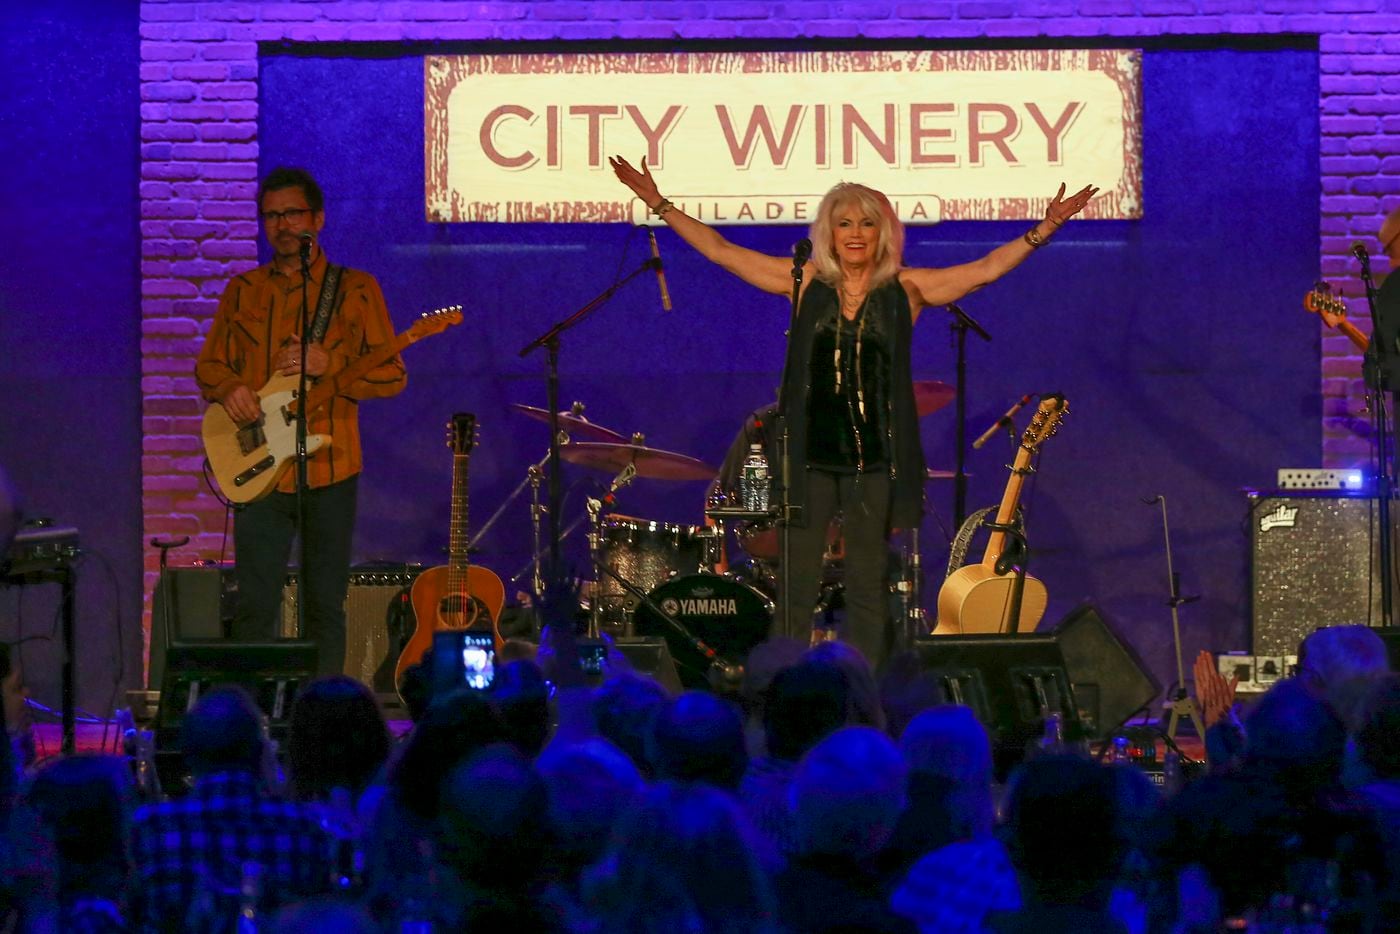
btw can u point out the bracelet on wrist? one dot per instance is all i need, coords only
(1055, 223)
(661, 207)
(1034, 238)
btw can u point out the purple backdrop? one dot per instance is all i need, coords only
(70, 407)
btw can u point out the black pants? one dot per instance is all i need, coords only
(864, 503)
(263, 532)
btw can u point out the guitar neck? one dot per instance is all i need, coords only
(1362, 342)
(1006, 512)
(328, 387)
(458, 552)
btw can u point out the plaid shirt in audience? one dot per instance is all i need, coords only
(189, 853)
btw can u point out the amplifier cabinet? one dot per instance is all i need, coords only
(378, 620)
(1313, 563)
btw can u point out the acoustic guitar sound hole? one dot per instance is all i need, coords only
(462, 611)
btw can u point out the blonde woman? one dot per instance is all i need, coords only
(849, 392)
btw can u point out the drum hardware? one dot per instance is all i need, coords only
(595, 539)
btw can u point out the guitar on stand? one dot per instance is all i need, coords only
(248, 461)
(459, 594)
(982, 598)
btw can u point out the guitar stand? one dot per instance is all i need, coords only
(1013, 559)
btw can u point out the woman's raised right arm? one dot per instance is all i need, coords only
(769, 273)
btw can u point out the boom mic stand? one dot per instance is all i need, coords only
(550, 340)
(1378, 382)
(960, 324)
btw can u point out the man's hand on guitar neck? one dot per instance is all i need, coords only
(288, 359)
(241, 404)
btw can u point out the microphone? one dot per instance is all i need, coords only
(1001, 422)
(660, 271)
(1358, 249)
(306, 240)
(801, 251)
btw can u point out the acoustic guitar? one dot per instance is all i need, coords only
(248, 461)
(975, 598)
(1328, 306)
(459, 594)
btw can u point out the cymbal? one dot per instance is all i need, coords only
(930, 395)
(576, 426)
(650, 462)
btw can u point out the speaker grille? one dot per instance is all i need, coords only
(1313, 564)
(377, 620)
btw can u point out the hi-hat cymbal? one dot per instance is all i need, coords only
(930, 395)
(576, 426)
(649, 462)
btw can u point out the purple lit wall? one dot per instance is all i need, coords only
(70, 326)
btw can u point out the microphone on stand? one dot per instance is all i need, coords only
(307, 238)
(1002, 422)
(660, 271)
(1358, 249)
(801, 251)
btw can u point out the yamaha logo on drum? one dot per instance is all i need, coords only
(700, 606)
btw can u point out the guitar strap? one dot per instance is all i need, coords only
(326, 304)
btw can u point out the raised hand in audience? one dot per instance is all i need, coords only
(1214, 694)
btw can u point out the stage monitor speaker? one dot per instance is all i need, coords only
(1008, 682)
(1110, 682)
(201, 602)
(1313, 564)
(378, 621)
(651, 656)
(272, 672)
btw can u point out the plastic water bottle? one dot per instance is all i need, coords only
(753, 481)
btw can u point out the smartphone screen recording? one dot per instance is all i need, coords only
(463, 658)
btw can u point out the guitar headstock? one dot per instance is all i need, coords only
(461, 433)
(1326, 304)
(434, 322)
(1045, 422)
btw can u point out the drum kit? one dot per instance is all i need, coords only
(645, 571)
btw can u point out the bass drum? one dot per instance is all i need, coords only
(728, 616)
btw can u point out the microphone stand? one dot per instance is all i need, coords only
(301, 438)
(550, 340)
(961, 323)
(786, 511)
(1378, 379)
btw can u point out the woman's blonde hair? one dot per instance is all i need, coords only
(889, 255)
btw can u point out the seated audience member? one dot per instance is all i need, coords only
(804, 704)
(763, 664)
(681, 859)
(521, 699)
(847, 795)
(865, 693)
(589, 785)
(190, 854)
(1252, 829)
(966, 872)
(320, 915)
(1339, 663)
(84, 804)
(399, 850)
(698, 737)
(624, 708)
(493, 836)
(1064, 838)
(336, 739)
(1373, 770)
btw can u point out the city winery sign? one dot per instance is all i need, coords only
(758, 137)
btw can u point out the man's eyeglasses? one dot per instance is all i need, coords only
(291, 215)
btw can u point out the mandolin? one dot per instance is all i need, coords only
(975, 598)
(459, 594)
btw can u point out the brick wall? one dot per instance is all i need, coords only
(199, 147)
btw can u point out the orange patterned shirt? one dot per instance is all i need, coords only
(261, 311)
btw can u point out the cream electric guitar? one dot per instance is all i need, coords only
(975, 598)
(248, 461)
(1328, 306)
